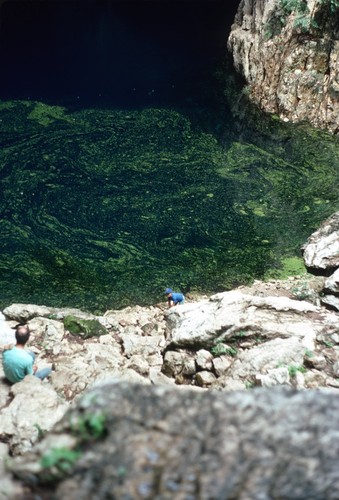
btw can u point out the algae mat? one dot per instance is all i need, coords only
(102, 209)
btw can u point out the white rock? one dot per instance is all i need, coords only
(221, 364)
(204, 359)
(274, 376)
(205, 378)
(35, 407)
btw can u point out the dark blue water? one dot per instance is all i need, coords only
(128, 54)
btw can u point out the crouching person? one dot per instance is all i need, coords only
(17, 362)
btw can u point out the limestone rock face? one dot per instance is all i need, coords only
(234, 315)
(321, 251)
(332, 283)
(22, 313)
(321, 256)
(157, 442)
(290, 58)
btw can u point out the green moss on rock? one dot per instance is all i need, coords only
(84, 328)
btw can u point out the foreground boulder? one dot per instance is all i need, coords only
(132, 441)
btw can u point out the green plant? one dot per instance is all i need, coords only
(41, 432)
(90, 427)
(293, 369)
(302, 292)
(219, 349)
(232, 351)
(289, 6)
(62, 459)
(246, 90)
(277, 21)
(240, 334)
(327, 343)
(304, 20)
(249, 384)
(332, 4)
(309, 354)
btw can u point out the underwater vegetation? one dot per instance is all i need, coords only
(103, 208)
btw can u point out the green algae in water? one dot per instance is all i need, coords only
(104, 208)
(45, 115)
(289, 266)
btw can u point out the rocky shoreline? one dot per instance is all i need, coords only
(272, 334)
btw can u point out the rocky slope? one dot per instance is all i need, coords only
(259, 336)
(288, 54)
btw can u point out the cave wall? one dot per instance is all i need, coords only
(290, 60)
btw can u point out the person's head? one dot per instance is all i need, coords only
(168, 292)
(22, 334)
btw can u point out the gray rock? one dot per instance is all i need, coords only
(321, 251)
(317, 361)
(78, 369)
(332, 283)
(144, 346)
(227, 315)
(331, 301)
(47, 333)
(204, 359)
(9, 489)
(315, 379)
(7, 334)
(205, 378)
(34, 409)
(173, 363)
(24, 312)
(267, 356)
(275, 376)
(61, 313)
(189, 366)
(139, 364)
(221, 364)
(156, 442)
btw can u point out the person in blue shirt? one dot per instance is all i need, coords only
(17, 362)
(174, 298)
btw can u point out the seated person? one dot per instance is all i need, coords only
(17, 362)
(174, 298)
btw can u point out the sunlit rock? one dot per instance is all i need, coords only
(288, 54)
(332, 283)
(321, 251)
(34, 409)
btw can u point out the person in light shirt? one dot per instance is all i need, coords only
(17, 362)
